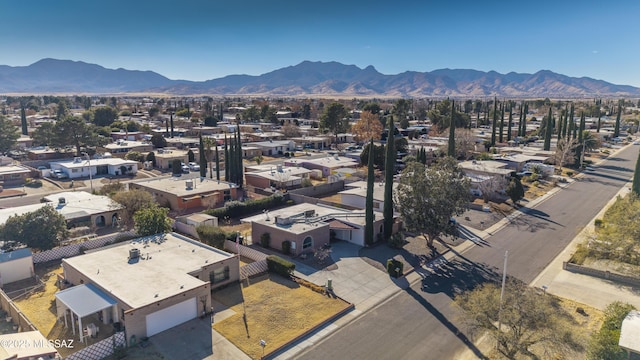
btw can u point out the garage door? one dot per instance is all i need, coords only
(167, 318)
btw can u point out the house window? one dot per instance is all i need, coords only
(75, 170)
(219, 275)
(16, 176)
(307, 243)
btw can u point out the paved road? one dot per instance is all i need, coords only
(420, 323)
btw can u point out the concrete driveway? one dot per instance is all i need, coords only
(354, 280)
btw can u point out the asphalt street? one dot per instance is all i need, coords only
(421, 323)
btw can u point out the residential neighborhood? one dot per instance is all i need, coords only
(165, 224)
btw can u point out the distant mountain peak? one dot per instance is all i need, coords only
(305, 79)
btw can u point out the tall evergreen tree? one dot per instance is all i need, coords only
(495, 121)
(23, 119)
(226, 160)
(521, 122)
(559, 126)
(616, 129)
(524, 119)
(501, 135)
(451, 149)
(171, 112)
(369, 216)
(203, 158)
(389, 170)
(574, 129)
(510, 124)
(548, 130)
(239, 164)
(599, 116)
(217, 162)
(635, 187)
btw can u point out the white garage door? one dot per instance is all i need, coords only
(167, 318)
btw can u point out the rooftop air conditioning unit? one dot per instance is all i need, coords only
(62, 201)
(189, 184)
(134, 253)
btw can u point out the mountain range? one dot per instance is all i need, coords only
(308, 78)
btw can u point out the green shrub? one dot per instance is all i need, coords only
(265, 240)
(598, 223)
(33, 183)
(280, 266)
(392, 265)
(396, 240)
(535, 184)
(212, 236)
(235, 209)
(286, 247)
(570, 173)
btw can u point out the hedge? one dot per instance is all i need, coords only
(235, 209)
(280, 266)
(212, 235)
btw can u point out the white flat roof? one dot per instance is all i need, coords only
(13, 169)
(83, 163)
(77, 204)
(177, 185)
(28, 345)
(162, 270)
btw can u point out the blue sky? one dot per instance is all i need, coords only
(200, 40)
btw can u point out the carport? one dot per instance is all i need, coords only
(84, 300)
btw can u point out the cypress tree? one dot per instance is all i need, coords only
(563, 130)
(524, 119)
(451, 150)
(203, 159)
(559, 126)
(599, 117)
(486, 114)
(477, 119)
(635, 186)
(573, 123)
(495, 121)
(369, 216)
(521, 122)
(548, 130)
(226, 160)
(239, 159)
(23, 119)
(171, 122)
(217, 162)
(616, 129)
(500, 136)
(389, 170)
(510, 121)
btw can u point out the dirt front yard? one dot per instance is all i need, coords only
(277, 310)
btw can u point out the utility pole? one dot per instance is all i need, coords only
(504, 280)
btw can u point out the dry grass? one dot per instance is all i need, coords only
(533, 192)
(243, 228)
(336, 198)
(277, 310)
(40, 307)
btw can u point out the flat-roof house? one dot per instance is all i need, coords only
(128, 136)
(356, 195)
(164, 158)
(15, 266)
(120, 148)
(517, 161)
(275, 147)
(181, 143)
(80, 167)
(46, 153)
(79, 208)
(309, 226)
(327, 164)
(27, 345)
(312, 142)
(277, 176)
(13, 175)
(149, 284)
(183, 194)
(264, 136)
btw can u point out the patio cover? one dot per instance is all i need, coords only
(84, 300)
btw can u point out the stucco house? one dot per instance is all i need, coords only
(309, 226)
(149, 284)
(183, 194)
(81, 167)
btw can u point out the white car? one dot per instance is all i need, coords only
(194, 166)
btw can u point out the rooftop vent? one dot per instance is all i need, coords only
(62, 201)
(189, 184)
(134, 253)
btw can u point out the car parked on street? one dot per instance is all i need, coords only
(193, 166)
